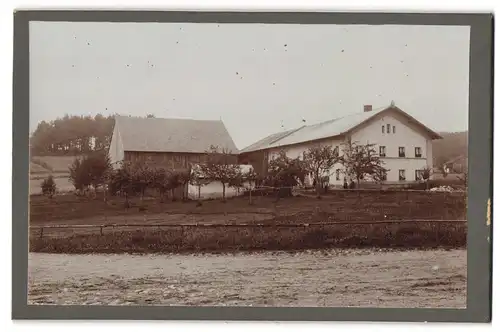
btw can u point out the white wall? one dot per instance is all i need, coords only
(116, 153)
(212, 190)
(407, 135)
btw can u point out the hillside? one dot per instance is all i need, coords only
(452, 145)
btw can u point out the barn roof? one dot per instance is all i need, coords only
(172, 135)
(330, 128)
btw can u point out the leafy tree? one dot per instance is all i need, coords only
(198, 179)
(319, 161)
(361, 160)
(79, 175)
(285, 173)
(120, 181)
(177, 179)
(426, 176)
(98, 165)
(237, 181)
(159, 181)
(48, 186)
(464, 177)
(251, 177)
(150, 116)
(380, 175)
(91, 170)
(220, 167)
(142, 177)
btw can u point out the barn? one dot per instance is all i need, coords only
(171, 143)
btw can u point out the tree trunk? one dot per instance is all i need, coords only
(223, 191)
(127, 204)
(318, 187)
(199, 192)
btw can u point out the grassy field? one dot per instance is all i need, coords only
(337, 205)
(341, 207)
(57, 166)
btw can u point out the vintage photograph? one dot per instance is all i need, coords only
(254, 165)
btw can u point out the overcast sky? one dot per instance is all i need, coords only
(259, 79)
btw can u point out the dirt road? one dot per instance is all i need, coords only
(360, 278)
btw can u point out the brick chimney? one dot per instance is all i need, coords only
(367, 108)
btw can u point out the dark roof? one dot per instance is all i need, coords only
(172, 135)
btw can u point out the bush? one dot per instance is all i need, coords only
(49, 186)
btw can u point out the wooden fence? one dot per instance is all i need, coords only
(242, 225)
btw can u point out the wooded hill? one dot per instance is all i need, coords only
(451, 146)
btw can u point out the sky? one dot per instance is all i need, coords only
(258, 79)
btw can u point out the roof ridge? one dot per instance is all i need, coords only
(136, 117)
(291, 131)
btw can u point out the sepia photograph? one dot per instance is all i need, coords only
(248, 165)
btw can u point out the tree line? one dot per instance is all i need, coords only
(94, 171)
(73, 135)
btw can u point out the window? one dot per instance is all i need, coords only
(402, 152)
(382, 151)
(402, 176)
(337, 174)
(393, 129)
(418, 152)
(419, 175)
(388, 128)
(383, 129)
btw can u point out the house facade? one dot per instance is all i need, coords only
(403, 143)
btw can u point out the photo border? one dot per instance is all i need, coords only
(480, 189)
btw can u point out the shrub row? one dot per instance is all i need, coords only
(230, 239)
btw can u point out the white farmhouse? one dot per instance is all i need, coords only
(403, 143)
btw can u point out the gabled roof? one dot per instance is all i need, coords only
(330, 128)
(172, 135)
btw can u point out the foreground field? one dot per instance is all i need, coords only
(361, 278)
(337, 205)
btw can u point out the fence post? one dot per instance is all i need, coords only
(101, 230)
(41, 232)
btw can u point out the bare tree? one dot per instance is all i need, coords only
(319, 161)
(360, 161)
